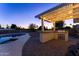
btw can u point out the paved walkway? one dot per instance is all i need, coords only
(14, 48)
(52, 48)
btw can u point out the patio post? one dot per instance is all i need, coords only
(42, 24)
(54, 25)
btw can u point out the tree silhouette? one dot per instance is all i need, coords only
(13, 26)
(7, 26)
(0, 26)
(67, 27)
(40, 28)
(32, 26)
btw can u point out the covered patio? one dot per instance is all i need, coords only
(62, 12)
(47, 43)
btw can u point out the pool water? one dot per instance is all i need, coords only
(8, 37)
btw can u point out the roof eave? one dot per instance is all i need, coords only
(52, 9)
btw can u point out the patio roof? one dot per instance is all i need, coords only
(61, 12)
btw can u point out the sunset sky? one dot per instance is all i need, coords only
(23, 14)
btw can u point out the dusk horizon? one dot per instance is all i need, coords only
(23, 14)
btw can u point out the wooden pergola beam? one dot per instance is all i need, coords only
(60, 14)
(68, 11)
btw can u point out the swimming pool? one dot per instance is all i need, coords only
(9, 37)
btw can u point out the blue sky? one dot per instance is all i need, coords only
(23, 14)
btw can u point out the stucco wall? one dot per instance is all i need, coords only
(46, 36)
(51, 35)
